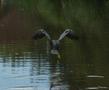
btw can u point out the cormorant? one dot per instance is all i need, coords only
(54, 44)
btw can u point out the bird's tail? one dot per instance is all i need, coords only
(59, 56)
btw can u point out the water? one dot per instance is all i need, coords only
(26, 64)
(30, 66)
(25, 67)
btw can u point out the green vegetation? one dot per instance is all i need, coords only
(67, 13)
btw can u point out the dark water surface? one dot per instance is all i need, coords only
(26, 64)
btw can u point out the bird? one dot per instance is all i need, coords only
(54, 44)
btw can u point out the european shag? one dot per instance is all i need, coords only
(54, 44)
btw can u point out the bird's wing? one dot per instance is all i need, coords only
(72, 35)
(40, 34)
(69, 33)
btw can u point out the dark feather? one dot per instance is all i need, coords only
(72, 35)
(38, 35)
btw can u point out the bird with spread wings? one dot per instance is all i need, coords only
(54, 44)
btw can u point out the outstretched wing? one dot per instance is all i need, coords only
(72, 35)
(40, 34)
(69, 33)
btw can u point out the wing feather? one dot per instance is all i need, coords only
(72, 35)
(69, 33)
(40, 34)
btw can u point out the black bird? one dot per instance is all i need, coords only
(54, 44)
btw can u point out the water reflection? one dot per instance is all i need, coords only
(22, 66)
(28, 66)
(97, 88)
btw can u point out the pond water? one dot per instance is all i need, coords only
(30, 66)
(26, 64)
(25, 67)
